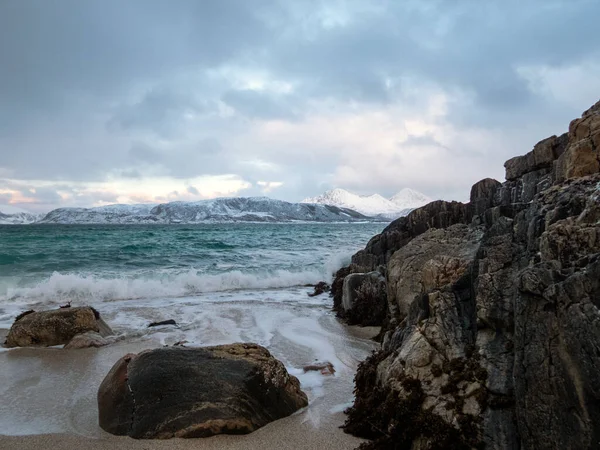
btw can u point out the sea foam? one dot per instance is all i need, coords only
(76, 287)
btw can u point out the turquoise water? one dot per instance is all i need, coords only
(58, 263)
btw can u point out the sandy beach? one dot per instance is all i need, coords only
(49, 395)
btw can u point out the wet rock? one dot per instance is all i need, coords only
(320, 288)
(56, 327)
(164, 322)
(326, 368)
(196, 392)
(87, 340)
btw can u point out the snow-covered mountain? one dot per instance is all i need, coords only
(235, 209)
(373, 205)
(11, 215)
(409, 198)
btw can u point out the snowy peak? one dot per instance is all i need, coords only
(373, 205)
(409, 198)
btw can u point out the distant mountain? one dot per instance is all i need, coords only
(409, 198)
(11, 215)
(373, 205)
(235, 209)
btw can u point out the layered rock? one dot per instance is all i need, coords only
(493, 337)
(56, 327)
(196, 392)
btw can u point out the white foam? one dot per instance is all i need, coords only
(76, 287)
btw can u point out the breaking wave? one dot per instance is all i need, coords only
(76, 287)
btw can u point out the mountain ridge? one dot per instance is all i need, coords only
(219, 210)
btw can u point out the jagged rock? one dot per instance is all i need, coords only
(196, 392)
(364, 299)
(56, 327)
(87, 340)
(482, 195)
(542, 156)
(438, 214)
(582, 156)
(494, 337)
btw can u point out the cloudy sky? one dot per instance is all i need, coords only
(106, 101)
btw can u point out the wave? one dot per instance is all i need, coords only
(77, 287)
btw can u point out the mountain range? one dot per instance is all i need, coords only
(235, 209)
(373, 205)
(336, 205)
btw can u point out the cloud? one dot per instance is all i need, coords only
(268, 186)
(260, 105)
(102, 98)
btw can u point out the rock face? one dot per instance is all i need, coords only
(196, 392)
(493, 330)
(57, 327)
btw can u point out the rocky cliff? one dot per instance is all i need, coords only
(492, 336)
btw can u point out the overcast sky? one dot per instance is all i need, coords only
(129, 101)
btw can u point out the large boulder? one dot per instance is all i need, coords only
(56, 327)
(196, 392)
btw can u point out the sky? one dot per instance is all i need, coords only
(136, 101)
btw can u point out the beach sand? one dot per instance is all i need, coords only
(49, 395)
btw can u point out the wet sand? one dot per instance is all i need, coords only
(49, 395)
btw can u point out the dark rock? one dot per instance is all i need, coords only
(364, 300)
(164, 322)
(326, 368)
(320, 288)
(482, 195)
(56, 327)
(196, 392)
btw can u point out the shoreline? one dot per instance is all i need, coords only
(49, 394)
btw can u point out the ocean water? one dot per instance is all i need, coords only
(220, 283)
(51, 264)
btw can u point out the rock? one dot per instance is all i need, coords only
(493, 337)
(196, 392)
(326, 368)
(437, 258)
(482, 195)
(542, 156)
(364, 299)
(582, 155)
(437, 214)
(164, 322)
(320, 288)
(86, 340)
(56, 327)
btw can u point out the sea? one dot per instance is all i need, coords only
(221, 283)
